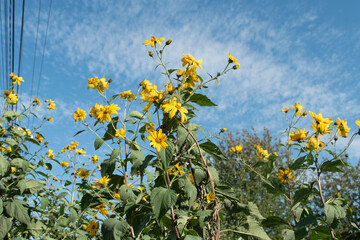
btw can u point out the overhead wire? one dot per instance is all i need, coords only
(36, 41)
(43, 53)
(6, 79)
(12, 43)
(2, 76)
(21, 41)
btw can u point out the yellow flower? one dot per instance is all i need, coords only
(236, 149)
(83, 173)
(158, 140)
(98, 84)
(190, 60)
(102, 209)
(210, 197)
(151, 95)
(233, 60)
(120, 133)
(315, 144)
(285, 175)
(92, 228)
(358, 124)
(178, 169)
(319, 118)
(50, 119)
(343, 129)
(80, 151)
(153, 41)
(16, 79)
(11, 98)
(79, 115)
(51, 104)
(103, 182)
(173, 106)
(298, 136)
(39, 138)
(64, 164)
(261, 153)
(170, 88)
(180, 73)
(13, 169)
(322, 127)
(285, 109)
(103, 113)
(117, 195)
(127, 95)
(50, 154)
(36, 101)
(94, 159)
(298, 108)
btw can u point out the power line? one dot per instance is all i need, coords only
(6, 45)
(42, 58)
(2, 53)
(21, 41)
(37, 32)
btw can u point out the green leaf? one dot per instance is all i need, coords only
(20, 163)
(162, 199)
(136, 114)
(27, 139)
(190, 191)
(86, 200)
(273, 221)
(131, 121)
(5, 226)
(288, 234)
(19, 210)
(79, 132)
(166, 155)
(255, 229)
(61, 195)
(10, 114)
(108, 167)
(73, 215)
(192, 237)
(213, 150)
(36, 229)
(30, 184)
(44, 202)
(201, 100)
(333, 166)
(127, 193)
(11, 142)
(115, 153)
(333, 212)
(1, 206)
(137, 158)
(301, 195)
(298, 163)
(4, 166)
(113, 229)
(98, 142)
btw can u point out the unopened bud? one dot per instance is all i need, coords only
(235, 67)
(336, 138)
(110, 80)
(168, 42)
(150, 53)
(223, 130)
(346, 155)
(161, 51)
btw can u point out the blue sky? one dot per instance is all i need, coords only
(289, 51)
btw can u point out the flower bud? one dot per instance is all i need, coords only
(110, 80)
(150, 53)
(336, 138)
(168, 42)
(223, 130)
(235, 67)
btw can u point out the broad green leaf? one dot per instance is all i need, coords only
(10, 114)
(113, 229)
(127, 194)
(19, 210)
(27, 139)
(5, 226)
(20, 163)
(192, 237)
(162, 199)
(73, 215)
(199, 175)
(273, 221)
(115, 153)
(288, 234)
(108, 167)
(166, 155)
(255, 229)
(61, 195)
(333, 166)
(214, 175)
(298, 163)
(137, 158)
(333, 212)
(44, 202)
(301, 194)
(213, 150)
(98, 142)
(136, 114)
(190, 191)
(86, 201)
(11, 142)
(36, 229)
(4, 166)
(201, 100)
(30, 184)
(1, 206)
(131, 121)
